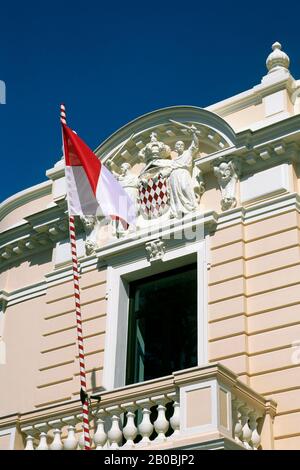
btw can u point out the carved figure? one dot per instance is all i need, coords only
(227, 175)
(90, 224)
(182, 195)
(155, 250)
(156, 155)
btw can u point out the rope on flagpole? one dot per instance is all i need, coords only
(83, 392)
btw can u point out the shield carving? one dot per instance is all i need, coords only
(154, 196)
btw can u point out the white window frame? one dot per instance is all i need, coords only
(119, 274)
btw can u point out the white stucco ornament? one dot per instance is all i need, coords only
(155, 250)
(169, 180)
(227, 173)
(182, 194)
(277, 59)
(91, 225)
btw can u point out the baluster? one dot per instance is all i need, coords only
(237, 420)
(100, 436)
(247, 433)
(80, 444)
(56, 425)
(161, 424)
(71, 442)
(42, 428)
(255, 439)
(175, 419)
(29, 431)
(130, 430)
(145, 428)
(81, 441)
(114, 434)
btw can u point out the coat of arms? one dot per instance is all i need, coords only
(154, 196)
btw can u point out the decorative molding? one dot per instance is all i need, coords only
(39, 231)
(115, 253)
(119, 273)
(25, 293)
(155, 250)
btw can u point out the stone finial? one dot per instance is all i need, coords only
(277, 59)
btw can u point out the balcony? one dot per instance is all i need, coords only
(197, 408)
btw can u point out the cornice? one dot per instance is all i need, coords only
(25, 196)
(38, 232)
(166, 232)
(261, 149)
(270, 84)
(248, 144)
(114, 251)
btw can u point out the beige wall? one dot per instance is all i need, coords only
(16, 215)
(254, 297)
(40, 338)
(245, 117)
(58, 376)
(27, 272)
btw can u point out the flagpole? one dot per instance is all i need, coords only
(83, 392)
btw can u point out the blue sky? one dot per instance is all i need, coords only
(113, 61)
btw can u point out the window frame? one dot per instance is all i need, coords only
(131, 267)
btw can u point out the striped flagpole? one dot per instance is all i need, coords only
(85, 407)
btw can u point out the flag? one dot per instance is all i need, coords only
(91, 188)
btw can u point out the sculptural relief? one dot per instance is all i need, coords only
(182, 195)
(227, 173)
(90, 224)
(169, 184)
(155, 250)
(157, 156)
(130, 183)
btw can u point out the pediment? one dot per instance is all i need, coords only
(125, 145)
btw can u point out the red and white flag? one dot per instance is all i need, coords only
(91, 188)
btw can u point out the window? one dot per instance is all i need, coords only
(162, 327)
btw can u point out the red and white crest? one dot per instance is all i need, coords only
(154, 196)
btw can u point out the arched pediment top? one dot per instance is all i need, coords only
(214, 133)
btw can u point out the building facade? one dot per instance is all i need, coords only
(190, 320)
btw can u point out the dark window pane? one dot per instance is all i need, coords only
(162, 333)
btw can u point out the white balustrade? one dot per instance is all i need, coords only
(175, 418)
(42, 428)
(161, 424)
(245, 425)
(237, 420)
(100, 436)
(56, 425)
(130, 430)
(71, 442)
(143, 421)
(114, 434)
(29, 433)
(145, 428)
(253, 425)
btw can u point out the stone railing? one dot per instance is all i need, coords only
(196, 408)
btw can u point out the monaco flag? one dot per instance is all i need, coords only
(91, 188)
